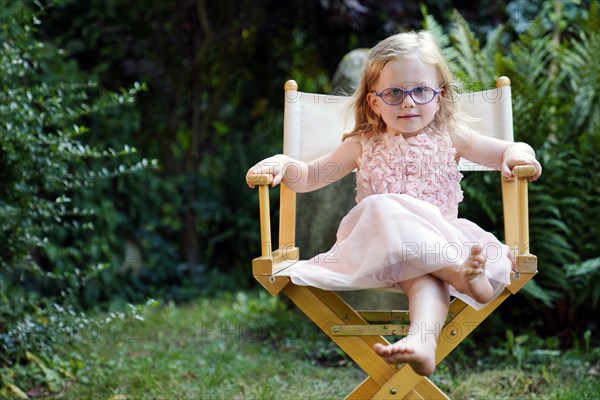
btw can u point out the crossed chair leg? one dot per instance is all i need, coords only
(354, 333)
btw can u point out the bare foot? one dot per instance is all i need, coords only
(476, 282)
(418, 354)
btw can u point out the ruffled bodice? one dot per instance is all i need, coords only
(422, 166)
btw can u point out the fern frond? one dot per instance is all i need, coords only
(493, 47)
(468, 49)
(587, 267)
(548, 297)
(430, 24)
(464, 43)
(581, 68)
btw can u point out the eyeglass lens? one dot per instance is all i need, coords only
(420, 95)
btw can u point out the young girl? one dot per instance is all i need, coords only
(404, 231)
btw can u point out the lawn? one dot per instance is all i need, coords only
(249, 346)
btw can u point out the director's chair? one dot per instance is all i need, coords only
(313, 126)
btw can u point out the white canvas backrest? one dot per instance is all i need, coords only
(492, 111)
(315, 123)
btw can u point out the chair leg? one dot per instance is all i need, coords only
(463, 323)
(327, 309)
(365, 390)
(427, 390)
(385, 381)
(400, 385)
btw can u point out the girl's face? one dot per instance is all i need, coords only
(407, 118)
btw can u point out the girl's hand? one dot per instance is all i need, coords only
(274, 166)
(514, 157)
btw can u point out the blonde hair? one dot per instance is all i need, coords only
(411, 45)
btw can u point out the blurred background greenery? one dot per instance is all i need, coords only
(126, 129)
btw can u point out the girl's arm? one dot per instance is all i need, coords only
(501, 155)
(306, 177)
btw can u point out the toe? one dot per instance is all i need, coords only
(381, 349)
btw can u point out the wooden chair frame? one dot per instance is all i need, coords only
(355, 332)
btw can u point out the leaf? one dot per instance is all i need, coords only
(492, 46)
(16, 391)
(552, 222)
(581, 68)
(430, 24)
(52, 377)
(478, 70)
(544, 295)
(587, 267)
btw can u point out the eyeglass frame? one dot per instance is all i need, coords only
(405, 93)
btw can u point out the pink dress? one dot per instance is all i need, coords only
(405, 222)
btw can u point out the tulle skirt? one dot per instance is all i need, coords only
(388, 238)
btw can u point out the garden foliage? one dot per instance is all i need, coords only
(46, 256)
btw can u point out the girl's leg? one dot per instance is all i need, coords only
(428, 301)
(469, 278)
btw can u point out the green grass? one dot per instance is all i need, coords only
(212, 349)
(235, 347)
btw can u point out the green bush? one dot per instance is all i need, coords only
(44, 165)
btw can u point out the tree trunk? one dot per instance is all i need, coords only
(190, 249)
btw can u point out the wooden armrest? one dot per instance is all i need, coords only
(261, 179)
(524, 171)
(516, 217)
(287, 219)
